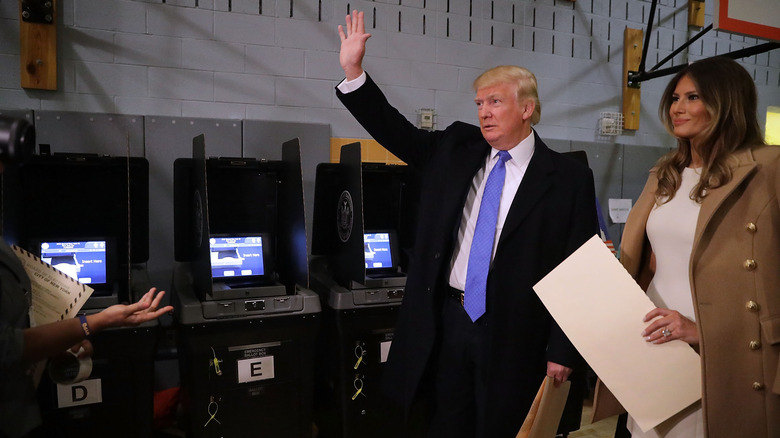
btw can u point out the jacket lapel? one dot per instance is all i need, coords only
(745, 166)
(537, 179)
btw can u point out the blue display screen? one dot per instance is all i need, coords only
(236, 257)
(84, 261)
(377, 249)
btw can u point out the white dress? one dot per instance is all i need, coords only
(670, 229)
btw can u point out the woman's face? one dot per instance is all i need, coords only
(687, 112)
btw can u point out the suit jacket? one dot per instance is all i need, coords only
(735, 282)
(552, 214)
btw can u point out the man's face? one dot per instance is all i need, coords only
(502, 119)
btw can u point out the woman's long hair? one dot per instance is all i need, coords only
(729, 96)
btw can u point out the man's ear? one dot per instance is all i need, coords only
(528, 108)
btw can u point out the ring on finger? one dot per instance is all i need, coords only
(666, 332)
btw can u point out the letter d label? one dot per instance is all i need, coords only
(83, 393)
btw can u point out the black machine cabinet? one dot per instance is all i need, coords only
(86, 197)
(362, 213)
(116, 400)
(245, 340)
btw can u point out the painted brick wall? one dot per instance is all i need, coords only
(278, 59)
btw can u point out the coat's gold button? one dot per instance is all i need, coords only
(758, 386)
(750, 264)
(755, 345)
(751, 227)
(752, 306)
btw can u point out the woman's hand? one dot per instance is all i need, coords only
(130, 315)
(668, 325)
(82, 349)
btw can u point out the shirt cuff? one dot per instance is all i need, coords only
(346, 86)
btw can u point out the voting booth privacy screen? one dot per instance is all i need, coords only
(364, 217)
(239, 222)
(246, 322)
(87, 215)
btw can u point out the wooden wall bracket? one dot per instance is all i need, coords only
(632, 57)
(696, 13)
(38, 41)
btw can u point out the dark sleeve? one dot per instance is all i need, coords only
(389, 127)
(583, 226)
(13, 320)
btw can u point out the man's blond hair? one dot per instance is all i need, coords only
(512, 74)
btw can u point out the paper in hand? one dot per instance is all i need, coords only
(601, 309)
(55, 295)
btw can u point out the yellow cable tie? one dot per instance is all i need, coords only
(359, 390)
(215, 362)
(214, 415)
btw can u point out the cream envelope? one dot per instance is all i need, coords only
(546, 410)
(600, 308)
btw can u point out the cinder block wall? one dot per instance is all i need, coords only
(277, 59)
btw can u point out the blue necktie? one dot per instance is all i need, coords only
(482, 244)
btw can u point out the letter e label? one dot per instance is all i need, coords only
(256, 368)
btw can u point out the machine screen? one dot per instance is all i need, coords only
(378, 249)
(84, 261)
(237, 257)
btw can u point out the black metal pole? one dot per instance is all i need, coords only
(750, 51)
(647, 36)
(681, 48)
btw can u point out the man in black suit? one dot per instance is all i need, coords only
(481, 369)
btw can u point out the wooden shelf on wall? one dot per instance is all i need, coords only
(38, 41)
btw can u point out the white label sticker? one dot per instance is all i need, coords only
(384, 349)
(83, 393)
(256, 368)
(619, 209)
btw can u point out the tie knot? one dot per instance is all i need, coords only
(504, 156)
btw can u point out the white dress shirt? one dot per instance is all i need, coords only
(515, 170)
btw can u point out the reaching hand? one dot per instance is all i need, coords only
(671, 325)
(353, 45)
(48, 340)
(145, 309)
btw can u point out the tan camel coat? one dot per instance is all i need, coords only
(735, 281)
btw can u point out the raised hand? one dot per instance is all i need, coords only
(353, 45)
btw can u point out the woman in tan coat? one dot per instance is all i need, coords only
(704, 241)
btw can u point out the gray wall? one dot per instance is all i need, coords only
(151, 74)
(277, 59)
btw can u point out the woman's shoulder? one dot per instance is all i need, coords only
(765, 153)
